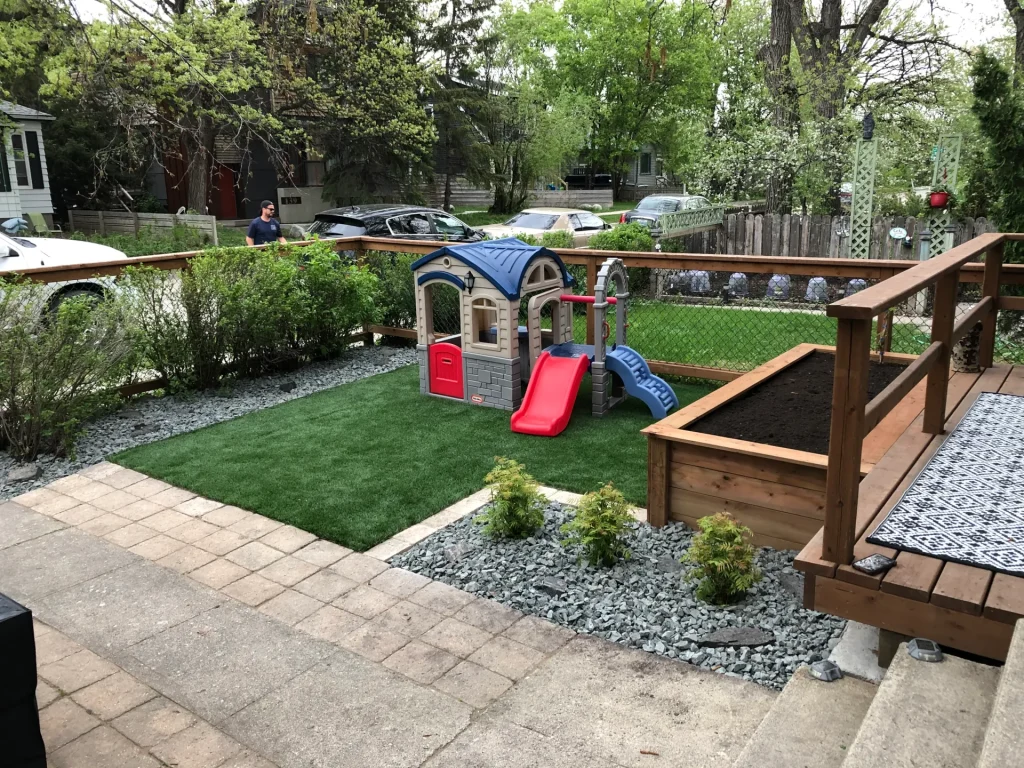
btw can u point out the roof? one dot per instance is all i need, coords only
(503, 262)
(376, 210)
(19, 112)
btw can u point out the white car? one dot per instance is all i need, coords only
(20, 253)
(536, 221)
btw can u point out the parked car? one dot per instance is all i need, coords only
(651, 208)
(21, 253)
(407, 222)
(537, 221)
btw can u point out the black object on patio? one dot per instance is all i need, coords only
(21, 743)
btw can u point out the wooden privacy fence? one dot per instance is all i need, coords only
(483, 198)
(754, 234)
(129, 222)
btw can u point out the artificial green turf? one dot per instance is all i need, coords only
(363, 461)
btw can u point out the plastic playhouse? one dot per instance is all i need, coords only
(493, 357)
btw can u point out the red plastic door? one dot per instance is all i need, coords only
(446, 370)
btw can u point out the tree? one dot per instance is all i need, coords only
(785, 118)
(1016, 10)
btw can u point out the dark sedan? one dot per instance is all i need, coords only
(407, 222)
(651, 208)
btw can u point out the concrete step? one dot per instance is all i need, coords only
(926, 715)
(810, 725)
(1004, 743)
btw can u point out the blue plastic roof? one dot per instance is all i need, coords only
(503, 262)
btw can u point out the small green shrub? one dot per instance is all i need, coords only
(396, 299)
(600, 526)
(625, 237)
(724, 558)
(517, 508)
(560, 238)
(58, 369)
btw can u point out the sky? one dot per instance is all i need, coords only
(971, 22)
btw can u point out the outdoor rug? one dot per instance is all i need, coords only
(967, 505)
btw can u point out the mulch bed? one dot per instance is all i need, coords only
(793, 409)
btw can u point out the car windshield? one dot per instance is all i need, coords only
(337, 228)
(528, 220)
(658, 204)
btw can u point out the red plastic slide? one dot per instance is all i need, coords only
(550, 396)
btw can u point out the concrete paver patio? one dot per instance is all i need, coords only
(172, 630)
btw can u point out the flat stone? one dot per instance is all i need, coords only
(691, 718)
(369, 717)
(100, 471)
(147, 488)
(540, 634)
(322, 553)
(399, 582)
(139, 510)
(18, 524)
(488, 615)
(172, 497)
(104, 524)
(22, 473)
(736, 637)
(288, 539)
(46, 694)
(115, 500)
(373, 642)
(198, 506)
(114, 695)
(76, 671)
(289, 571)
(78, 514)
(218, 574)
(359, 567)
(222, 542)
(254, 555)
(165, 520)
(473, 684)
(287, 386)
(669, 565)
(130, 535)
(325, 585)
(253, 589)
(551, 585)
(153, 722)
(192, 531)
(88, 491)
(408, 618)
(62, 722)
(456, 637)
(290, 607)
(157, 547)
(198, 746)
(421, 662)
(186, 559)
(247, 760)
(442, 598)
(56, 561)
(457, 552)
(330, 624)
(254, 526)
(226, 515)
(507, 657)
(54, 646)
(225, 659)
(365, 601)
(102, 748)
(145, 429)
(123, 478)
(118, 609)
(856, 653)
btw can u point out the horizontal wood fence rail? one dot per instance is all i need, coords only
(852, 416)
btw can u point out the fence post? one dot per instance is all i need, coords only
(71, 219)
(990, 287)
(943, 316)
(658, 474)
(849, 398)
(591, 283)
(103, 224)
(135, 222)
(213, 226)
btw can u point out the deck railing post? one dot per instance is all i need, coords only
(849, 398)
(591, 282)
(943, 317)
(990, 287)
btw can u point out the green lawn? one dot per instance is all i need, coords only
(358, 463)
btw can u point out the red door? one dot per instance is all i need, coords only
(446, 370)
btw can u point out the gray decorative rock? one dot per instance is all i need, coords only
(22, 473)
(778, 287)
(700, 282)
(737, 637)
(129, 413)
(817, 290)
(552, 585)
(287, 386)
(855, 286)
(738, 285)
(668, 564)
(793, 583)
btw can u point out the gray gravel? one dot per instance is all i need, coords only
(644, 602)
(148, 418)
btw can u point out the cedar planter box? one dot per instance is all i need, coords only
(778, 492)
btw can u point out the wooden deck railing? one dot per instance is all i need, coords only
(852, 416)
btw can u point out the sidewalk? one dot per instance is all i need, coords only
(175, 631)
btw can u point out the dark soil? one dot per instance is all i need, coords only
(793, 409)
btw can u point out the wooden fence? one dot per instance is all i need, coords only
(463, 195)
(752, 234)
(125, 222)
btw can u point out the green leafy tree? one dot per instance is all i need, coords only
(724, 559)
(517, 508)
(600, 526)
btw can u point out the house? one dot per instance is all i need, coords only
(24, 184)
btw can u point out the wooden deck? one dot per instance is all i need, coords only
(967, 608)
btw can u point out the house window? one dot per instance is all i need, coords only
(5, 173)
(485, 321)
(20, 161)
(35, 159)
(645, 163)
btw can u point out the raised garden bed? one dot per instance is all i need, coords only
(756, 448)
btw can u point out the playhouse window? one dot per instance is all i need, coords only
(541, 274)
(485, 321)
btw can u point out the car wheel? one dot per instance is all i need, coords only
(94, 294)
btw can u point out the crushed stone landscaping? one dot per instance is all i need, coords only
(643, 602)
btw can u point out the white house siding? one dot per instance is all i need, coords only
(10, 203)
(33, 200)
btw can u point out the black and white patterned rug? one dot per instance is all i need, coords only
(967, 505)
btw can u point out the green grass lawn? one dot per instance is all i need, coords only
(358, 463)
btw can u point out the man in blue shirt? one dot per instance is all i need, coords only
(265, 228)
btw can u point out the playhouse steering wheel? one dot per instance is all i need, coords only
(605, 330)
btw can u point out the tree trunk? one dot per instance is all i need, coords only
(779, 79)
(1017, 15)
(200, 142)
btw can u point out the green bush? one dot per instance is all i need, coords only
(337, 298)
(57, 368)
(396, 301)
(600, 526)
(625, 237)
(517, 508)
(724, 558)
(149, 242)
